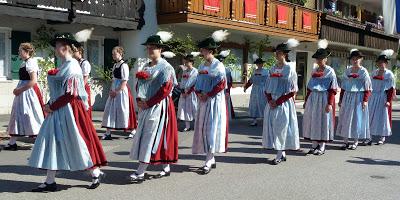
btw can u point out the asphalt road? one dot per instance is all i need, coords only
(242, 173)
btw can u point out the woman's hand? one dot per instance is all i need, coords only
(47, 109)
(17, 91)
(272, 104)
(203, 97)
(328, 108)
(142, 105)
(113, 93)
(387, 104)
(364, 105)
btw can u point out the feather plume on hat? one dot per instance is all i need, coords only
(165, 36)
(220, 35)
(83, 35)
(168, 54)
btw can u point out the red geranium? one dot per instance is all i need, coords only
(203, 72)
(277, 75)
(142, 75)
(317, 74)
(53, 71)
(353, 75)
(185, 76)
(379, 77)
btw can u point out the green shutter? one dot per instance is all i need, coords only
(17, 37)
(109, 44)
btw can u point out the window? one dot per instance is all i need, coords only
(94, 51)
(5, 46)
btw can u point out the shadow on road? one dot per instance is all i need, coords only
(370, 161)
(14, 186)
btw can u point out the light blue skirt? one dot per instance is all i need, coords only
(280, 129)
(59, 145)
(353, 120)
(379, 121)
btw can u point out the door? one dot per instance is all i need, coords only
(301, 69)
(17, 37)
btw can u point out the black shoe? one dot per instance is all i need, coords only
(352, 147)
(253, 124)
(106, 137)
(137, 180)
(204, 170)
(49, 188)
(345, 146)
(97, 184)
(367, 142)
(283, 158)
(276, 161)
(186, 129)
(312, 151)
(319, 152)
(214, 166)
(161, 175)
(11, 147)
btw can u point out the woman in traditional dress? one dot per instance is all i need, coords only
(229, 81)
(187, 105)
(280, 131)
(156, 140)
(86, 68)
(380, 102)
(27, 111)
(319, 104)
(119, 112)
(211, 126)
(67, 139)
(353, 120)
(257, 97)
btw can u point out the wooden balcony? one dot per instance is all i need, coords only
(231, 15)
(350, 32)
(114, 13)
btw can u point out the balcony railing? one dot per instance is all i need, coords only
(353, 32)
(114, 9)
(234, 10)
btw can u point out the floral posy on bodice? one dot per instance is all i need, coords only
(282, 80)
(323, 80)
(152, 78)
(67, 79)
(356, 82)
(210, 76)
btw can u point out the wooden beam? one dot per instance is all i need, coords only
(63, 17)
(262, 29)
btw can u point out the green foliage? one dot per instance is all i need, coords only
(103, 75)
(131, 62)
(182, 45)
(271, 61)
(45, 65)
(42, 41)
(231, 61)
(259, 47)
(396, 72)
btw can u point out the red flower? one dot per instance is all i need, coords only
(203, 72)
(353, 75)
(142, 75)
(277, 75)
(185, 76)
(53, 71)
(317, 74)
(379, 77)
